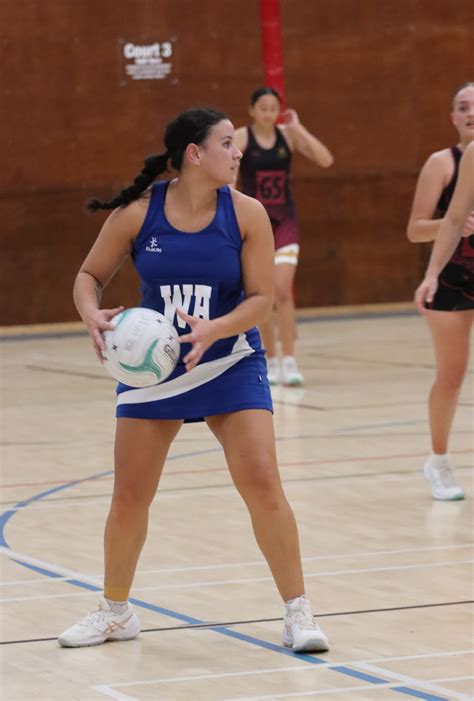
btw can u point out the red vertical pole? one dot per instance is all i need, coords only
(271, 45)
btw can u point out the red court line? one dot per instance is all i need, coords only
(225, 469)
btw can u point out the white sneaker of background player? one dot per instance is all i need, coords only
(291, 375)
(300, 631)
(440, 474)
(101, 625)
(273, 371)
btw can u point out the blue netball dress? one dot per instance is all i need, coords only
(200, 273)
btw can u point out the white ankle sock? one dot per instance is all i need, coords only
(118, 607)
(438, 459)
(290, 601)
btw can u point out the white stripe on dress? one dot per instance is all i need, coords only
(198, 376)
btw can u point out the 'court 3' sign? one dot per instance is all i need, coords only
(146, 61)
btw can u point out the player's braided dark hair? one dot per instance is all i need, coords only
(190, 127)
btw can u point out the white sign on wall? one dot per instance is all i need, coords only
(146, 61)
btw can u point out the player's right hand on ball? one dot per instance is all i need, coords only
(97, 322)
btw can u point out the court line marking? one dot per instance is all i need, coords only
(222, 582)
(260, 563)
(342, 690)
(292, 668)
(429, 685)
(164, 493)
(408, 680)
(173, 614)
(181, 439)
(109, 691)
(281, 465)
(246, 622)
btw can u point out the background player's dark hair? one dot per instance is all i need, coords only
(190, 127)
(461, 87)
(257, 94)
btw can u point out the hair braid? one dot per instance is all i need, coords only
(154, 166)
(191, 126)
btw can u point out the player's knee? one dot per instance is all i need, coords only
(283, 295)
(128, 499)
(264, 489)
(451, 380)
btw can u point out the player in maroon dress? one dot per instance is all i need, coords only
(267, 149)
(451, 312)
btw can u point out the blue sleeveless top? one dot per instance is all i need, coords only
(199, 272)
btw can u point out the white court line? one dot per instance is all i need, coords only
(249, 580)
(352, 555)
(428, 685)
(260, 563)
(454, 679)
(65, 572)
(334, 690)
(108, 691)
(292, 668)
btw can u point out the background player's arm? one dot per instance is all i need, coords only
(431, 181)
(106, 256)
(450, 230)
(301, 140)
(434, 176)
(241, 139)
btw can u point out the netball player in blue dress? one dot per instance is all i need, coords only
(450, 312)
(204, 253)
(265, 168)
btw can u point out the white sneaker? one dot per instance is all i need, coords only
(273, 371)
(291, 375)
(442, 480)
(101, 625)
(300, 631)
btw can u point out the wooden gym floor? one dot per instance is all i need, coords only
(388, 570)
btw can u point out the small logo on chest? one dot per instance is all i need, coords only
(153, 245)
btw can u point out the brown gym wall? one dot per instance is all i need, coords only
(372, 78)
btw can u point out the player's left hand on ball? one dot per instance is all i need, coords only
(202, 335)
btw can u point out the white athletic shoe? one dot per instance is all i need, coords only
(101, 625)
(273, 371)
(300, 631)
(291, 376)
(442, 480)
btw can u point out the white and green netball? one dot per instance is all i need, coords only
(142, 349)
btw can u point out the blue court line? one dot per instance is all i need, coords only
(418, 694)
(311, 659)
